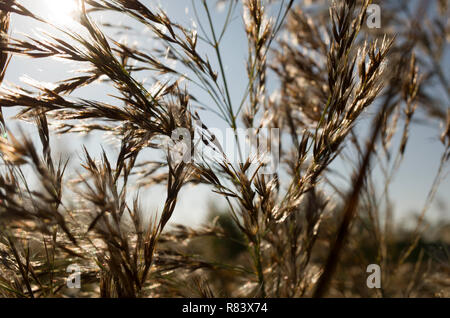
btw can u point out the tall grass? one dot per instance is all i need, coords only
(283, 234)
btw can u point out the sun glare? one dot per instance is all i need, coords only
(62, 12)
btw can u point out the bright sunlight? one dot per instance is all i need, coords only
(62, 12)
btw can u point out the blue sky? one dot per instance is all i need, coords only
(409, 189)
